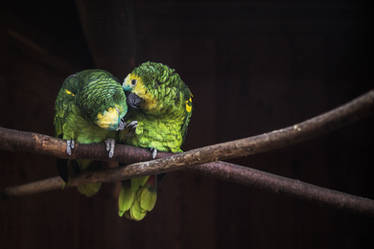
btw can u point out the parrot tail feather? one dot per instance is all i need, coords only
(78, 166)
(138, 196)
(89, 189)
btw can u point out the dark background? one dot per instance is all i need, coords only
(253, 67)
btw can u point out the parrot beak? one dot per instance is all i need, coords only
(134, 101)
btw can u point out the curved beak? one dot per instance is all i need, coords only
(134, 101)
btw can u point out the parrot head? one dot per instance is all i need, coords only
(111, 118)
(102, 100)
(157, 89)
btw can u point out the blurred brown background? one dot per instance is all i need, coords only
(253, 67)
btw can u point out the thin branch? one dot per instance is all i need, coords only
(197, 159)
(283, 185)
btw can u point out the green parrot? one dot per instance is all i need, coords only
(90, 107)
(161, 103)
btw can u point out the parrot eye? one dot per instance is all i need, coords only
(133, 82)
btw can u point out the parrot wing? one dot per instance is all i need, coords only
(65, 103)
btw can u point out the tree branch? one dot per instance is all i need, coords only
(197, 159)
(283, 185)
(13, 140)
(226, 172)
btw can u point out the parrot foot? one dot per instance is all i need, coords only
(110, 143)
(122, 125)
(154, 153)
(70, 144)
(132, 125)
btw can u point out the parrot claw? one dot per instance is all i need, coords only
(122, 125)
(132, 125)
(110, 143)
(154, 153)
(70, 144)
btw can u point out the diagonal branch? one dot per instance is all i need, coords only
(13, 140)
(227, 172)
(198, 159)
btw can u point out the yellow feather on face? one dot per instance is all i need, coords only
(109, 118)
(162, 117)
(149, 101)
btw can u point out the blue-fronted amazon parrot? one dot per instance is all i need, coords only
(90, 107)
(162, 106)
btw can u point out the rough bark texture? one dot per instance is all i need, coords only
(222, 170)
(199, 158)
(346, 114)
(253, 67)
(283, 185)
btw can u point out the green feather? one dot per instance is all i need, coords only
(82, 97)
(136, 197)
(147, 198)
(138, 182)
(89, 189)
(136, 212)
(162, 126)
(126, 198)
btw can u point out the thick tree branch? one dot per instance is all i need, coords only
(197, 159)
(13, 140)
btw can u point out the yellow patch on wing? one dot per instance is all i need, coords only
(189, 105)
(109, 118)
(68, 92)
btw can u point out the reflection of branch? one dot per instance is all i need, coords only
(197, 159)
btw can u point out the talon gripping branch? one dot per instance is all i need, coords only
(162, 105)
(90, 108)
